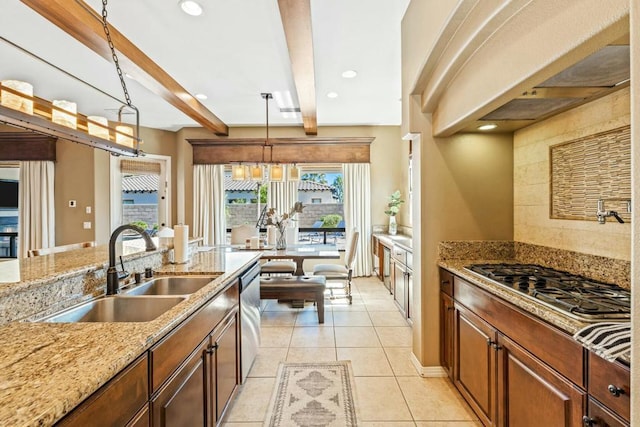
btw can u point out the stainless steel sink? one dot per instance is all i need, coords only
(118, 309)
(181, 285)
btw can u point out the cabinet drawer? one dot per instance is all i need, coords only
(399, 254)
(116, 402)
(446, 282)
(603, 374)
(167, 355)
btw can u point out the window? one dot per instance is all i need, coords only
(141, 191)
(9, 183)
(320, 190)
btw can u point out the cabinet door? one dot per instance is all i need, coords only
(181, 402)
(385, 268)
(447, 317)
(399, 287)
(475, 363)
(225, 364)
(532, 394)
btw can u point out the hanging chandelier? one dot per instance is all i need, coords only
(265, 170)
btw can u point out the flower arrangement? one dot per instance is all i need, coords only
(394, 203)
(281, 221)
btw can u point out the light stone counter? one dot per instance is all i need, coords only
(398, 239)
(46, 369)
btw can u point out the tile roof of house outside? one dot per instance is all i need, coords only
(149, 184)
(231, 185)
(140, 183)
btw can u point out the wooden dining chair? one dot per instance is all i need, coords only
(341, 272)
(57, 249)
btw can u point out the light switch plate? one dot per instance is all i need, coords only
(72, 203)
(86, 225)
(88, 209)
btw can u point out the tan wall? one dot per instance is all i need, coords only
(389, 163)
(532, 181)
(74, 175)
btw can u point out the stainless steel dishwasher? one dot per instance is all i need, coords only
(249, 318)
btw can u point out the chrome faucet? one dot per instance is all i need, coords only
(603, 214)
(113, 279)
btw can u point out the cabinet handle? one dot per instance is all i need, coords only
(444, 282)
(493, 344)
(212, 348)
(450, 308)
(615, 391)
(587, 421)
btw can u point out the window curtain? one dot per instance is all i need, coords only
(209, 204)
(36, 206)
(282, 195)
(357, 212)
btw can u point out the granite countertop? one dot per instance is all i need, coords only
(49, 368)
(561, 321)
(398, 239)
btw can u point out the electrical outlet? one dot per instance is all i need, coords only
(88, 209)
(86, 225)
(72, 203)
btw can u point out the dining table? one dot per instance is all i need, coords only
(297, 253)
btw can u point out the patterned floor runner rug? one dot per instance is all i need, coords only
(313, 395)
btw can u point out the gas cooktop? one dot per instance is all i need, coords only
(577, 296)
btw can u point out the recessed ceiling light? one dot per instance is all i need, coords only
(201, 96)
(190, 7)
(332, 95)
(488, 126)
(349, 74)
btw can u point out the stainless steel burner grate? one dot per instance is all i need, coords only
(580, 297)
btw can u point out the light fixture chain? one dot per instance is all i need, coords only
(113, 53)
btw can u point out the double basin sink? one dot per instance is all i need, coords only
(141, 303)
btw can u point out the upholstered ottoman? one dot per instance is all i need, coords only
(295, 288)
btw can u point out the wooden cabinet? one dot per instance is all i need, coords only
(531, 394)
(224, 373)
(186, 379)
(447, 318)
(512, 369)
(475, 363)
(182, 400)
(115, 403)
(610, 384)
(447, 322)
(402, 279)
(599, 416)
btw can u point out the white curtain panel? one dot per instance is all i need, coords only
(282, 195)
(357, 212)
(209, 220)
(36, 208)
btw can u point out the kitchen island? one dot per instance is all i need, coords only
(47, 369)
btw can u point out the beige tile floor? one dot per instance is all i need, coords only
(375, 337)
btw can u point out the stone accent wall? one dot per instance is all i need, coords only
(146, 213)
(238, 214)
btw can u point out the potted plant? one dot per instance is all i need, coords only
(393, 206)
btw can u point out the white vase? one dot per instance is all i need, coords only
(393, 225)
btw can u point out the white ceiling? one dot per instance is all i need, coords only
(232, 53)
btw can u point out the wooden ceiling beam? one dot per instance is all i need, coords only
(79, 20)
(296, 20)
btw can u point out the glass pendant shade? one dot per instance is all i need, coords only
(122, 137)
(238, 172)
(256, 173)
(68, 116)
(293, 173)
(99, 128)
(14, 101)
(276, 173)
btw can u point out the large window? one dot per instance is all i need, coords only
(320, 190)
(9, 182)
